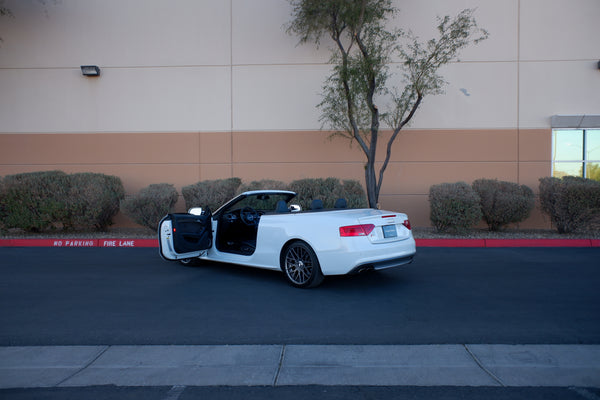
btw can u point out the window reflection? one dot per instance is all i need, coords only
(592, 145)
(567, 169)
(568, 145)
(593, 171)
(576, 152)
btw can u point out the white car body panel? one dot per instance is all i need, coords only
(320, 230)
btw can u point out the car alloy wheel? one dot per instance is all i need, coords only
(301, 266)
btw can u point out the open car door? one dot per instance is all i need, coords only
(186, 235)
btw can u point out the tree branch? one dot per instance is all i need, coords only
(397, 130)
(348, 95)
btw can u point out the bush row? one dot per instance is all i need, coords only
(53, 199)
(572, 203)
(214, 193)
(38, 201)
(152, 203)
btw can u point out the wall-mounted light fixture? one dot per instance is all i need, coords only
(90, 70)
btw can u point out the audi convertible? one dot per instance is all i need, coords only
(264, 229)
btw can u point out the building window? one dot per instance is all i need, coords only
(576, 152)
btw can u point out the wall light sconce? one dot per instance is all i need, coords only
(90, 70)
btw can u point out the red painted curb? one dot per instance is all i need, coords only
(538, 243)
(130, 243)
(78, 242)
(450, 242)
(508, 242)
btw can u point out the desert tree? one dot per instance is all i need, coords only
(358, 101)
(4, 12)
(7, 12)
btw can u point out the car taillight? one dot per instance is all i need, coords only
(406, 223)
(356, 230)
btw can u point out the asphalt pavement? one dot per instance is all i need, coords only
(456, 318)
(103, 297)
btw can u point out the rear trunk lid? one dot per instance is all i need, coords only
(389, 226)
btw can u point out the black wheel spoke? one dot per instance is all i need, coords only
(301, 266)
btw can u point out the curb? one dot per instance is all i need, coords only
(508, 242)
(478, 243)
(74, 242)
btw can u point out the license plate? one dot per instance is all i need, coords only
(389, 231)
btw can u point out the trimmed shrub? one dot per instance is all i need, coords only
(572, 203)
(264, 184)
(309, 189)
(454, 206)
(354, 194)
(503, 203)
(151, 204)
(328, 190)
(40, 200)
(212, 194)
(93, 200)
(34, 201)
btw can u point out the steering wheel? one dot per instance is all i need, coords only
(249, 216)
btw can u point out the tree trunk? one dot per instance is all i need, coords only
(371, 183)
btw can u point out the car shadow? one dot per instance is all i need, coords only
(238, 271)
(365, 281)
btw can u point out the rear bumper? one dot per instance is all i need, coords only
(358, 253)
(383, 264)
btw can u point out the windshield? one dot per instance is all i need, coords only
(264, 202)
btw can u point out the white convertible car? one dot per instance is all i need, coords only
(263, 229)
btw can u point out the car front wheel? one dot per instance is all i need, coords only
(301, 266)
(189, 262)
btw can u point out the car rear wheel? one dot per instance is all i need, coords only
(301, 266)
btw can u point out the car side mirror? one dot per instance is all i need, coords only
(295, 208)
(195, 211)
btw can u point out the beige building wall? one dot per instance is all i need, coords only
(197, 89)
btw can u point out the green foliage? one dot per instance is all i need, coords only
(328, 190)
(503, 203)
(40, 200)
(264, 184)
(312, 19)
(309, 189)
(354, 194)
(151, 204)
(454, 207)
(212, 193)
(356, 96)
(571, 202)
(34, 201)
(93, 200)
(5, 12)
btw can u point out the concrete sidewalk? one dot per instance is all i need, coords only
(279, 365)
